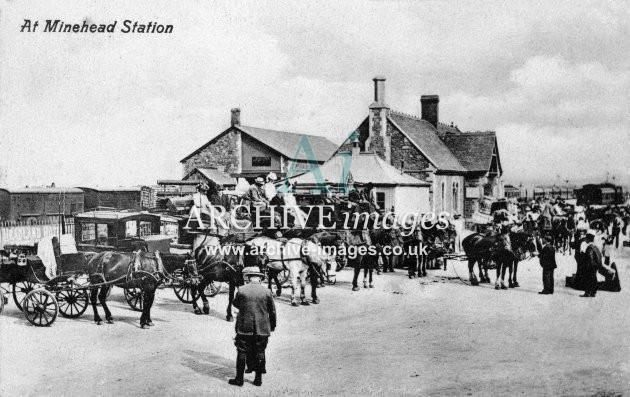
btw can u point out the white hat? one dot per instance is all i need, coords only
(259, 179)
(272, 176)
(252, 271)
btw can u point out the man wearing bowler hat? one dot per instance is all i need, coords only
(548, 263)
(255, 321)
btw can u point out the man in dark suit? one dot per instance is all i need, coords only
(255, 321)
(548, 264)
(592, 263)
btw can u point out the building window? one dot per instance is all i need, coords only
(455, 196)
(380, 200)
(443, 195)
(261, 161)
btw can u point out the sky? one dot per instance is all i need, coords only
(551, 78)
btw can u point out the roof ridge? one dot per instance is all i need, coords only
(411, 116)
(284, 132)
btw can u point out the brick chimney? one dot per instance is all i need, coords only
(430, 108)
(378, 140)
(236, 116)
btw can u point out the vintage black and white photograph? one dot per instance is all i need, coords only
(314, 198)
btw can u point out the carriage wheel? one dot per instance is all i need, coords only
(183, 292)
(133, 295)
(72, 303)
(212, 289)
(20, 290)
(40, 307)
(342, 262)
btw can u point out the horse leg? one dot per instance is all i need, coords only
(278, 283)
(102, 298)
(195, 294)
(303, 300)
(229, 316)
(294, 288)
(93, 294)
(514, 282)
(355, 278)
(149, 304)
(365, 275)
(204, 299)
(497, 283)
(143, 316)
(505, 267)
(425, 259)
(370, 273)
(314, 283)
(471, 272)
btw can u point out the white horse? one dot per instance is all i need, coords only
(301, 258)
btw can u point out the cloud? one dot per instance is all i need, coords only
(125, 109)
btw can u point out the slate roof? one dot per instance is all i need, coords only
(215, 175)
(286, 143)
(283, 142)
(365, 167)
(424, 135)
(472, 149)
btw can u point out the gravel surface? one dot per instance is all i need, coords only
(430, 336)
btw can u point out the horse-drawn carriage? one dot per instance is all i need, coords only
(54, 276)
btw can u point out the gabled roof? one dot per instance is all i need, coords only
(286, 143)
(214, 175)
(365, 167)
(472, 149)
(425, 137)
(283, 142)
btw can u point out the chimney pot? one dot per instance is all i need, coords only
(430, 108)
(236, 117)
(379, 89)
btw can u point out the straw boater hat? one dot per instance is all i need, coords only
(272, 176)
(259, 180)
(252, 271)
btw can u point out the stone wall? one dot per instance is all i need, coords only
(415, 162)
(223, 154)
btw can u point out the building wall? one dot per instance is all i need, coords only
(411, 199)
(252, 148)
(448, 201)
(24, 206)
(416, 164)
(223, 153)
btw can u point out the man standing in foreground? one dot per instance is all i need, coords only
(592, 263)
(255, 321)
(548, 264)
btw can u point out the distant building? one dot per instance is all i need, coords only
(512, 192)
(136, 198)
(39, 203)
(242, 151)
(461, 167)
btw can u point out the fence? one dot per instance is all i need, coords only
(29, 233)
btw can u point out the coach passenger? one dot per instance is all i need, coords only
(255, 321)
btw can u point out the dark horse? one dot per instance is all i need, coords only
(215, 264)
(506, 249)
(128, 270)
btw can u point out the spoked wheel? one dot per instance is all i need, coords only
(40, 307)
(183, 292)
(212, 289)
(72, 303)
(133, 295)
(20, 290)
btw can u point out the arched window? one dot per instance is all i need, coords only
(455, 197)
(443, 194)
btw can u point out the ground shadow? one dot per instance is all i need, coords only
(208, 364)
